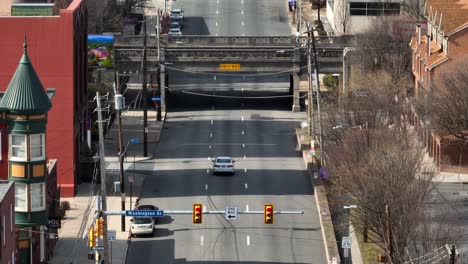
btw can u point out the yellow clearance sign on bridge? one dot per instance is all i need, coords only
(229, 66)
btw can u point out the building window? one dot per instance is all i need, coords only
(21, 195)
(37, 196)
(37, 142)
(18, 147)
(373, 8)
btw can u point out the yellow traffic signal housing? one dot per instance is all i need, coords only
(268, 214)
(92, 238)
(197, 214)
(101, 226)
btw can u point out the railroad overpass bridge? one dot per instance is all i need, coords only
(232, 54)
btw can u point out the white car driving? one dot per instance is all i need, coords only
(223, 165)
(142, 226)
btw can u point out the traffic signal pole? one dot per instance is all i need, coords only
(182, 212)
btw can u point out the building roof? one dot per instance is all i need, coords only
(454, 14)
(25, 93)
(4, 187)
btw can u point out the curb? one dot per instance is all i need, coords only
(329, 240)
(124, 260)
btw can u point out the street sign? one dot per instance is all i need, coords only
(111, 235)
(345, 242)
(156, 98)
(145, 213)
(97, 248)
(130, 178)
(231, 213)
(54, 222)
(229, 66)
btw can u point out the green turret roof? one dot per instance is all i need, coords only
(25, 93)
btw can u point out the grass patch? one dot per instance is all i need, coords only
(369, 250)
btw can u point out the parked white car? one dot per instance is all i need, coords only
(174, 32)
(142, 226)
(177, 13)
(223, 165)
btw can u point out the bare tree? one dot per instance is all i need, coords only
(413, 8)
(388, 172)
(380, 49)
(448, 104)
(341, 16)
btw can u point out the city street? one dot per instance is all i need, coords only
(212, 115)
(268, 170)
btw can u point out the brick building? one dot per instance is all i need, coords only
(57, 40)
(24, 111)
(7, 222)
(434, 54)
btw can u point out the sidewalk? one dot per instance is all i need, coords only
(72, 245)
(311, 15)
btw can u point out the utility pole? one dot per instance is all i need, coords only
(317, 83)
(318, 10)
(118, 107)
(310, 107)
(295, 11)
(158, 35)
(102, 164)
(299, 24)
(145, 100)
(389, 235)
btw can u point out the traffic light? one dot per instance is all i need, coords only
(197, 214)
(92, 238)
(268, 214)
(101, 226)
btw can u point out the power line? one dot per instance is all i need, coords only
(239, 97)
(237, 74)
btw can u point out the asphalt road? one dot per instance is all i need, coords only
(234, 17)
(450, 200)
(259, 134)
(248, 118)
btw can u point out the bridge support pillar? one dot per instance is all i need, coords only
(294, 86)
(163, 80)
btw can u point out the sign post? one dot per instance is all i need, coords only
(231, 213)
(346, 245)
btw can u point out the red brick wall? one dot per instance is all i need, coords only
(50, 48)
(458, 46)
(9, 247)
